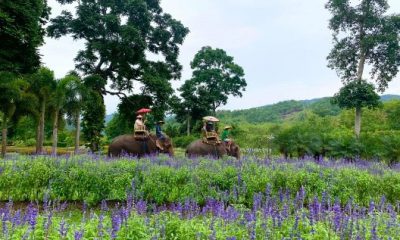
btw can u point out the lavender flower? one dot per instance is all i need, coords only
(78, 235)
(63, 229)
(116, 224)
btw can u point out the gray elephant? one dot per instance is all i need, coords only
(199, 148)
(129, 145)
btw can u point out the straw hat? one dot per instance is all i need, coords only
(228, 127)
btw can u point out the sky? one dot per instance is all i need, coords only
(282, 46)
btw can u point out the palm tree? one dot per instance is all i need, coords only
(57, 102)
(42, 84)
(74, 90)
(15, 101)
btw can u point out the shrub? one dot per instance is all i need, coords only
(184, 141)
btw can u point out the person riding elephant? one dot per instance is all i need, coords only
(159, 134)
(226, 135)
(129, 144)
(209, 133)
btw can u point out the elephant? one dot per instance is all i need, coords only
(199, 148)
(128, 144)
(233, 150)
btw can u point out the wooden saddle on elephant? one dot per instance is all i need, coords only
(211, 138)
(141, 134)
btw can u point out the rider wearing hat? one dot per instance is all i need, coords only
(159, 132)
(139, 125)
(226, 133)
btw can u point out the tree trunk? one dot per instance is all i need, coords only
(41, 128)
(361, 65)
(4, 137)
(55, 133)
(214, 108)
(360, 71)
(77, 132)
(37, 134)
(357, 123)
(188, 125)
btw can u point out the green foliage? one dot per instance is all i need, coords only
(162, 180)
(184, 141)
(357, 94)
(215, 77)
(21, 33)
(93, 113)
(118, 126)
(119, 36)
(15, 101)
(363, 33)
(392, 109)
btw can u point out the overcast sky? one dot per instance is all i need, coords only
(281, 44)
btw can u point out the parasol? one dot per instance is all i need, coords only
(211, 119)
(143, 110)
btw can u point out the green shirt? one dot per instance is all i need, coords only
(225, 134)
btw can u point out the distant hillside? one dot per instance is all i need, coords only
(108, 118)
(286, 109)
(388, 97)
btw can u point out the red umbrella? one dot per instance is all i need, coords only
(143, 110)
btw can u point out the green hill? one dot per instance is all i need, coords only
(285, 110)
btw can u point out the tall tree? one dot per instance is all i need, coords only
(364, 35)
(14, 100)
(66, 98)
(74, 104)
(21, 33)
(356, 95)
(93, 112)
(121, 39)
(42, 84)
(192, 105)
(215, 77)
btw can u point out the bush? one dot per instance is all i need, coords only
(184, 141)
(162, 180)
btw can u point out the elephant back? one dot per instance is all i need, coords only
(199, 148)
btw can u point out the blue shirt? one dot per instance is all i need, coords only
(159, 131)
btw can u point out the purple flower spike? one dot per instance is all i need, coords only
(63, 229)
(116, 225)
(78, 235)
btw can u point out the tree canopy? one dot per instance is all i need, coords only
(215, 77)
(357, 94)
(121, 39)
(363, 34)
(21, 33)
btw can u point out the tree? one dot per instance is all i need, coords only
(21, 34)
(363, 35)
(120, 36)
(42, 84)
(74, 103)
(129, 105)
(117, 126)
(192, 105)
(93, 111)
(67, 96)
(56, 102)
(356, 95)
(14, 100)
(215, 77)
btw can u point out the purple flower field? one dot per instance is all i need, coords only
(164, 198)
